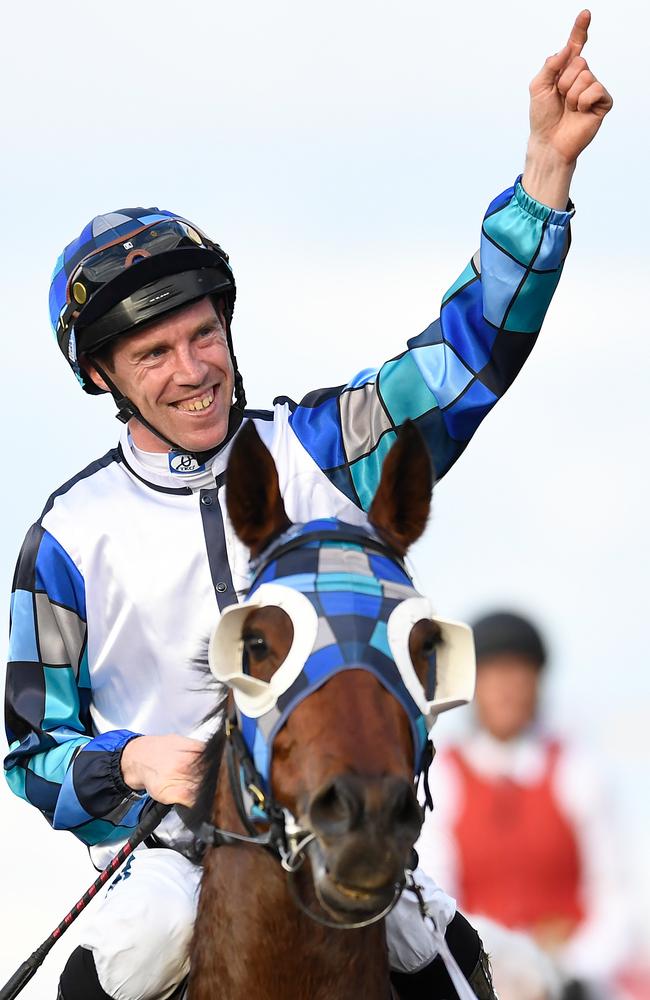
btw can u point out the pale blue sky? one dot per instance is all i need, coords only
(344, 155)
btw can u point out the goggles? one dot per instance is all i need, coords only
(101, 266)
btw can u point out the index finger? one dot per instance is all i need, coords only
(578, 36)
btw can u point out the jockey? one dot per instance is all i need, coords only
(132, 560)
(521, 830)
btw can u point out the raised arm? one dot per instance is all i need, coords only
(453, 373)
(53, 761)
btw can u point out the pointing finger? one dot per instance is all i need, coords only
(578, 36)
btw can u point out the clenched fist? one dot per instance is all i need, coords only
(164, 766)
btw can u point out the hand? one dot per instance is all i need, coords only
(567, 107)
(167, 767)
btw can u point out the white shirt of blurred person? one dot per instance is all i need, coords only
(521, 830)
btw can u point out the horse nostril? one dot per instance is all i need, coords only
(345, 803)
(402, 805)
(337, 807)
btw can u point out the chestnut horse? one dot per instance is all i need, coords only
(308, 800)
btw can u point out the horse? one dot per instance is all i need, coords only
(336, 669)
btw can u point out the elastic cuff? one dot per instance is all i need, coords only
(541, 211)
(119, 783)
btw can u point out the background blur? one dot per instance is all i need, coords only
(344, 155)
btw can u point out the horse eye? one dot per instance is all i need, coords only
(255, 647)
(430, 644)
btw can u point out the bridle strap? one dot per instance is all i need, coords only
(242, 774)
(282, 545)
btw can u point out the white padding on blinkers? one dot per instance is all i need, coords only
(225, 652)
(455, 658)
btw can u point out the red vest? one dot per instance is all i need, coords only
(518, 856)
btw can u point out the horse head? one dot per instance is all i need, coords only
(338, 669)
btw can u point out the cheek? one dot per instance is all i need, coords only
(220, 358)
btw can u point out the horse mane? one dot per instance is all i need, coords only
(212, 754)
(209, 767)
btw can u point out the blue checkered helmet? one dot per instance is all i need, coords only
(126, 268)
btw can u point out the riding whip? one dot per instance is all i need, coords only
(151, 818)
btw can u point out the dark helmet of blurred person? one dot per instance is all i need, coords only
(510, 655)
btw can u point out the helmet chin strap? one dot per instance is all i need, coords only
(126, 410)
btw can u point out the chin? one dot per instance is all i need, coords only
(203, 441)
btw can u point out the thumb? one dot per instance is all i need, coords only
(553, 66)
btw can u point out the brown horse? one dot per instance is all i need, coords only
(342, 763)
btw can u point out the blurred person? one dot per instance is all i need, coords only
(521, 829)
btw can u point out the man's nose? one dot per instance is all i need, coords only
(189, 368)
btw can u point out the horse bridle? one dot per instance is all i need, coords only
(284, 839)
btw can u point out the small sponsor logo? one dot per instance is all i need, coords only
(182, 464)
(151, 301)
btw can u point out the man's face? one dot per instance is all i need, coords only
(179, 373)
(507, 689)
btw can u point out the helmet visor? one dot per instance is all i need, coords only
(103, 265)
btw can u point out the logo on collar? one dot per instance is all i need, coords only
(181, 464)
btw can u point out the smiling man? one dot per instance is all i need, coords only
(181, 375)
(131, 561)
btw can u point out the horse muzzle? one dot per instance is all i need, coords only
(365, 830)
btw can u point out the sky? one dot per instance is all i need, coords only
(344, 155)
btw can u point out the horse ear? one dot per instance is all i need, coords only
(401, 505)
(253, 498)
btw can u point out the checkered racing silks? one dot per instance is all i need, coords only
(106, 619)
(342, 622)
(453, 373)
(48, 694)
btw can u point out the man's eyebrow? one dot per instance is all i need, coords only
(148, 346)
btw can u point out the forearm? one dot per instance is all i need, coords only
(94, 802)
(547, 175)
(75, 782)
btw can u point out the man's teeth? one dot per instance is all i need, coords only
(196, 404)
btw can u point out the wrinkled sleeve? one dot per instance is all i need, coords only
(54, 761)
(452, 374)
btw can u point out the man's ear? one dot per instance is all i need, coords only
(89, 369)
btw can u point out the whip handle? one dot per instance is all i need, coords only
(22, 975)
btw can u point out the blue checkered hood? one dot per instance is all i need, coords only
(352, 591)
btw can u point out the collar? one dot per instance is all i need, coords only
(522, 759)
(155, 468)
